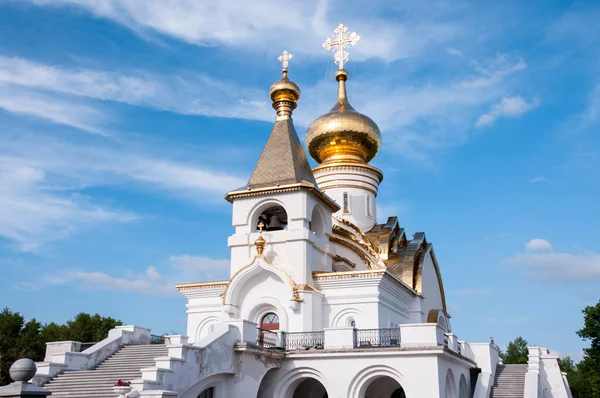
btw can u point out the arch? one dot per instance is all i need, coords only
(450, 385)
(463, 387)
(341, 318)
(263, 307)
(317, 223)
(289, 382)
(203, 328)
(258, 265)
(207, 393)
(259, 208)
(361, 382)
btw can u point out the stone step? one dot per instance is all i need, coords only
(125, 364)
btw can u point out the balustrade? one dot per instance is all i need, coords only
(366, 338)
(303, 340)
(266, 338)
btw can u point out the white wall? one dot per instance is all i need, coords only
(430, 287)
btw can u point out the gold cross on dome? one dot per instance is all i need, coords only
(339, 42)
(260, 226)
(284, 58)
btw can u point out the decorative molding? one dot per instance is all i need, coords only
(257, 261)
(201, 285)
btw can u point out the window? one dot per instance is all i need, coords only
(208, 393)
(346, 203)
(270, 321)
(353, 323)
(368, 205)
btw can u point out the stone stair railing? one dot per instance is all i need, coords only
(544, 377)
(60, 355)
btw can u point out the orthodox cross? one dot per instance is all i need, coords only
(260, 227)
(284, 58)
(339, 42)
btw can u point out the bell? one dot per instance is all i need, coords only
(274, 223)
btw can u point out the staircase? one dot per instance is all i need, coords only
(124, 365)
(509, 381)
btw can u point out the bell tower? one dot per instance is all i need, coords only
(282, 195)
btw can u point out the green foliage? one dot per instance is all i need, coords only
(20, 339)
(516, 352)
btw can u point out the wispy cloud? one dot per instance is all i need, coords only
(42, 181)
(545, 264)
(507, 108)
(543, 180)
(28, 102)
(50, 92)
(260, 25)
(154, 280)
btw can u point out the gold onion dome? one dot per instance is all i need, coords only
(284, 93)
(343, 134)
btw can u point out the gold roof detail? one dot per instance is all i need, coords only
(284, 93)
(283, 162)
(343, 134)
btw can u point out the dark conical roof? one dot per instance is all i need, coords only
(283, 160)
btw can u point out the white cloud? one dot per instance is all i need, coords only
(42, 179)
(261, 25)
(508, 107)
(474, 292)
(545, 264)
(180, 269)
(536, 245)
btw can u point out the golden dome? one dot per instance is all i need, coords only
(284, 94)
(343, 134)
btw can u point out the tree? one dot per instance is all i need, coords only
(90, 328)
(17, 340)
(20, 339)
(588, 370)
(516, 352)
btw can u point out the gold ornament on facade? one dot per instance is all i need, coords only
(342, 134)
(260, 243)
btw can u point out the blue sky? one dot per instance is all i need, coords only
(123, 123)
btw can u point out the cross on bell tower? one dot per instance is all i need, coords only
(339, 42)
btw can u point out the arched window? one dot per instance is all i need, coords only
(274, 219)
(346, 203)
(208, 393)
(368, 205)
(353, 323)
(270, 321)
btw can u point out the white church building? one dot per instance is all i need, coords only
(323, 298)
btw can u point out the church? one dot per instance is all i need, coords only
(323, 298)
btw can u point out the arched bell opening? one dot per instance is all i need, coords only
(273, 218)
(384, 386)
(317, 225)
(310, 388)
